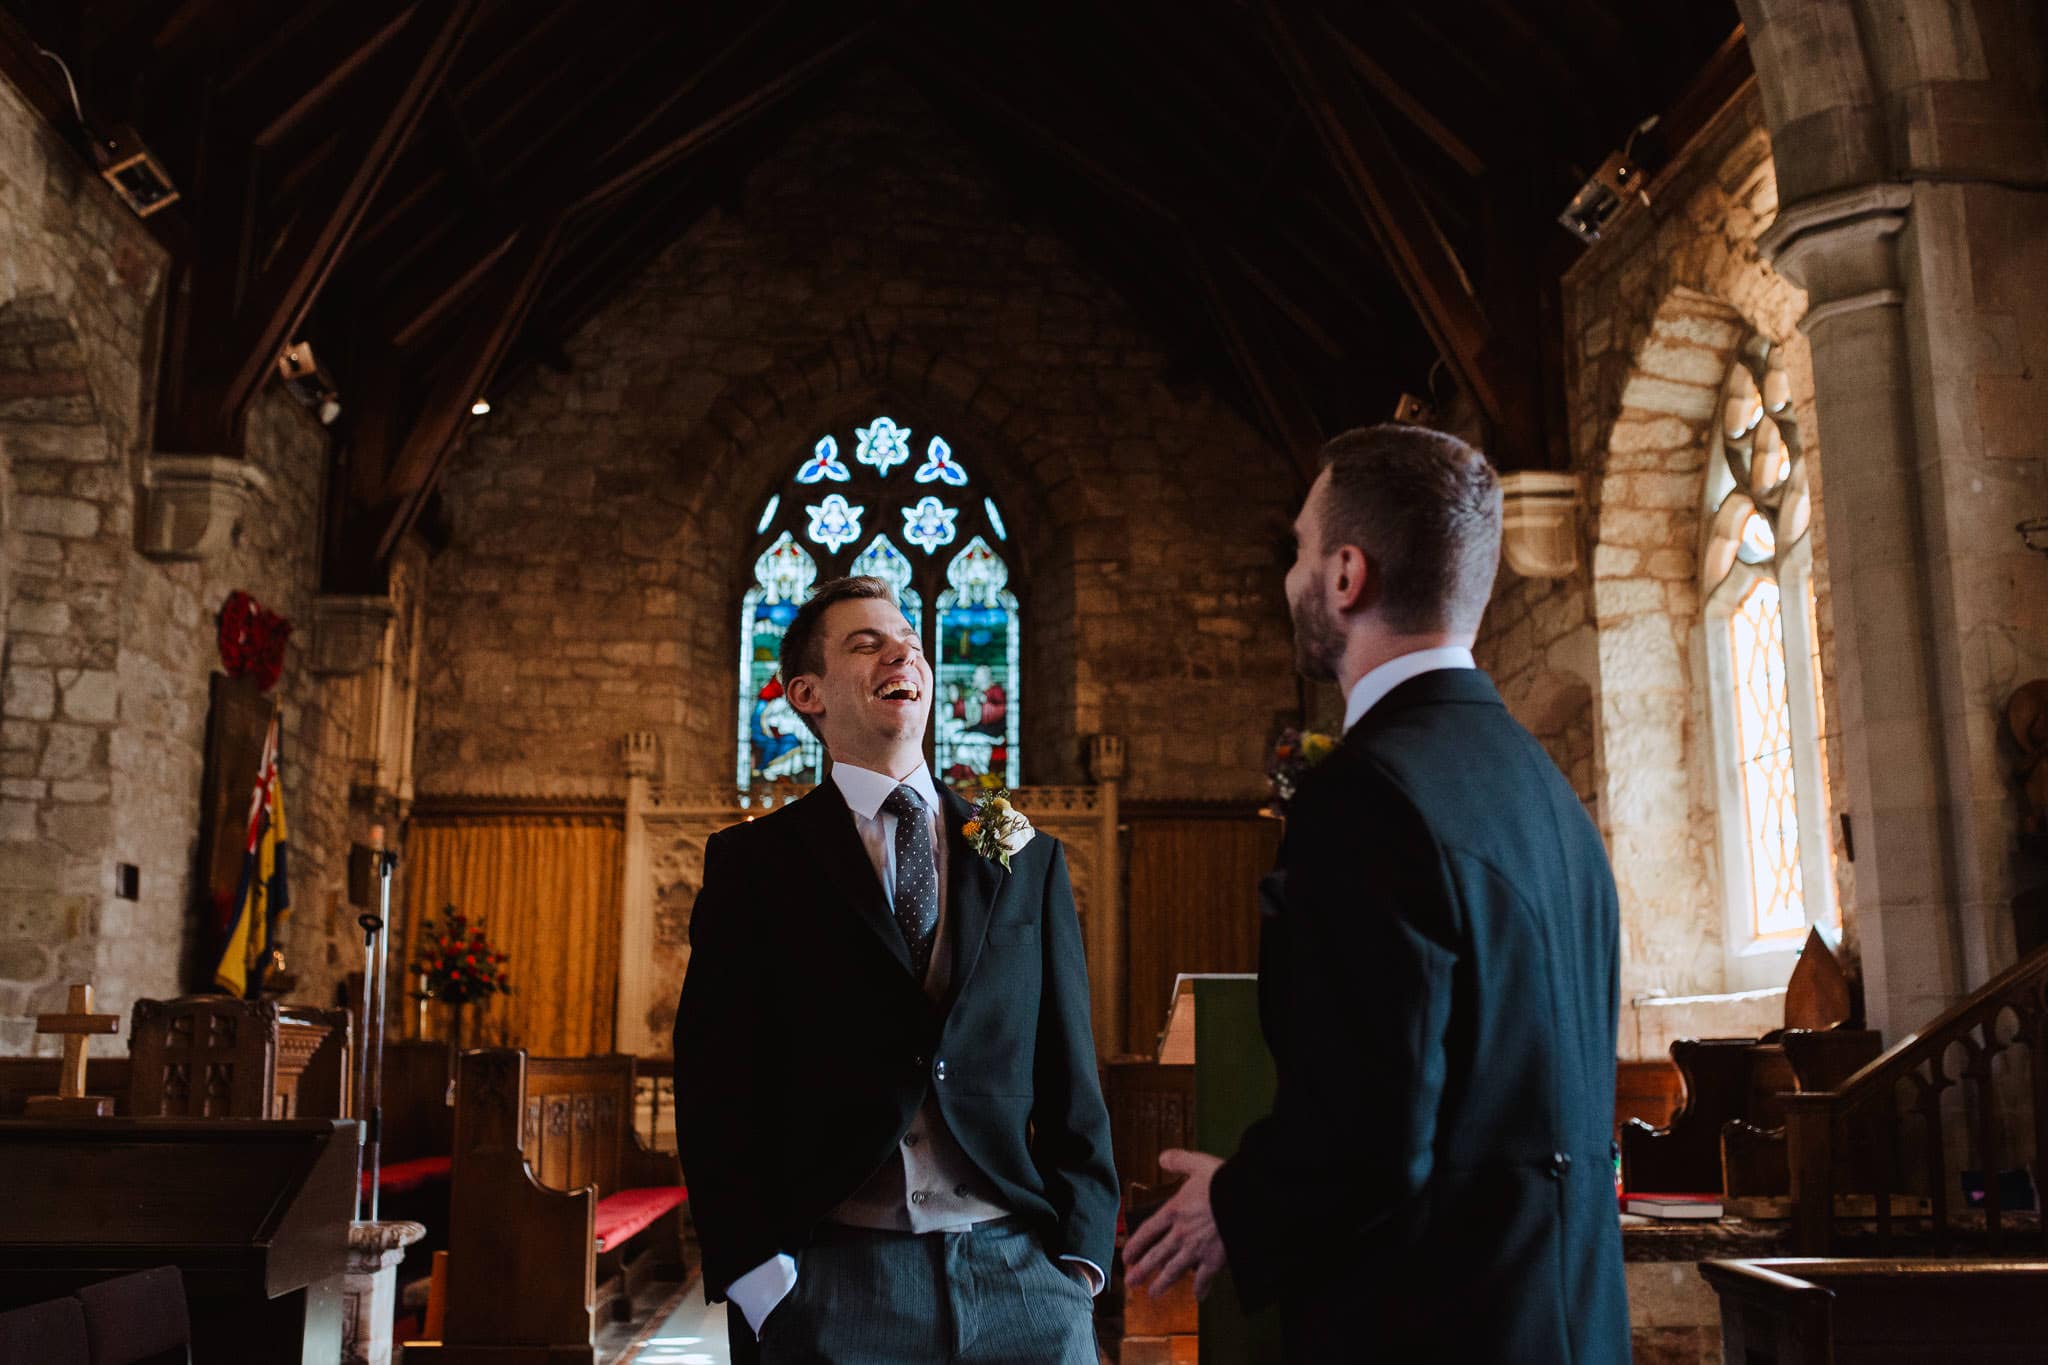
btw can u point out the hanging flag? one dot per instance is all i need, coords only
(263, 895)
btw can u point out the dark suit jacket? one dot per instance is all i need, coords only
(804, 1047)
(1439, 987)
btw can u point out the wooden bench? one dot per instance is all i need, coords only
(545, 1145)
(1797, 1311)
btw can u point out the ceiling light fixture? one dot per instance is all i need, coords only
(1616, 182)
(124, 162)
(479, 407)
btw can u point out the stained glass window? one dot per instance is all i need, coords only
(925, 527)
(773, 741)
(976, 716)
(1763, 731)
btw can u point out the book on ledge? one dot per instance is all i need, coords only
(1700, 1206)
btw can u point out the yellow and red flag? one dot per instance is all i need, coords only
(264, 893)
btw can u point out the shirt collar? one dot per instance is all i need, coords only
(865, 789)
(1371, 689)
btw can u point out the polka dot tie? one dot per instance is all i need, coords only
(917, 876)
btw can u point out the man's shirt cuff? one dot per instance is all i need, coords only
(759, 1290)
(1096, 1279)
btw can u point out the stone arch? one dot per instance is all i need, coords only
(1651, 753)
(62, 492)
(745, 445)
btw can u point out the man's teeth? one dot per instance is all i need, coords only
(898, 692)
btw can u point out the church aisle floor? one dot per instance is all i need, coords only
(688, 1331)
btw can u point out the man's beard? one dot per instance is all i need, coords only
(1318, 640)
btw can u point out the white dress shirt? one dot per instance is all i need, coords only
(1371, 689)
(897, 1199)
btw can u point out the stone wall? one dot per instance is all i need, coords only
(601, 515)
(1607, 666)
(107, 653)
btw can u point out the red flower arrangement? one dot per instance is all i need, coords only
(458, 962)
(252, 640)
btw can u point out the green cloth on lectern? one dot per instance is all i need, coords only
(1234, 1085)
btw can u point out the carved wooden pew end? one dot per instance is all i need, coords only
(555, 1209)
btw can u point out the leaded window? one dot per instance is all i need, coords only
(907, 510)
(1763, 664)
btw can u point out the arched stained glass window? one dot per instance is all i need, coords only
(903, 506)
(1763, 664)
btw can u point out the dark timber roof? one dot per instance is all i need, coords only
(1319, 206)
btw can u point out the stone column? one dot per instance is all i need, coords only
(636, 918)
(1913, 167)
(1106, 766)
(369, 1289)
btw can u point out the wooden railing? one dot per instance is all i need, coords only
(1858, 1144)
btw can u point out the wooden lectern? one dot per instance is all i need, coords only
(254, 1213)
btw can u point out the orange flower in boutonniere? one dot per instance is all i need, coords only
(997, 829)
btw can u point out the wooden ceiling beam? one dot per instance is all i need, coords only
(233, 324)
(1289, 419)
(1389, 88)
(306, 63)
(1411, 243)
(466, 372)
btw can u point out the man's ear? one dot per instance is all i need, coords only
(802, 692)
(1350, 579)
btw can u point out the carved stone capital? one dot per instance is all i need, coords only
(192, 503)
(641, 751)
(1838, 248)
(1106, 758)
(347, 632)
(1540, 522)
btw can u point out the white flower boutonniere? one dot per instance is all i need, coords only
(997, 830)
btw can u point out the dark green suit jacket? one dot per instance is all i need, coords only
(1439, 986)
(804, 1046)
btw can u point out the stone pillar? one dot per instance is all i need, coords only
(1106, 981)
(636, 918)
(1913, 170)
(369, 1289)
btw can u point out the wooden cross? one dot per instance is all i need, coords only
(77, 1024)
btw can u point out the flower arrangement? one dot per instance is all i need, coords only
(457, 964)
(997, 829)
(252, 640)
(1294, 754)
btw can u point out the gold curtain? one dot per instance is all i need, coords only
(547, 891)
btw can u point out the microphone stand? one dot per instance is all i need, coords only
(370, 1086)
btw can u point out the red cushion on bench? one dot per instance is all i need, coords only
(402, 1176)
(621, 1215)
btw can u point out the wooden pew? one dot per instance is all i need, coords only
(1796, 1311)
(547, 1145)
(209, 1056)
(137, 1319)
(254, 1214)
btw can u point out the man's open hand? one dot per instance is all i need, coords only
(1181, 1236)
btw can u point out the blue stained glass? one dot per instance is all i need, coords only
(930, 524)
(975, 716)
(995, 519)
(883, 444)
(939, 465)
(835, 523)
(881, 559)
(768, 513)
(824, 464)
(773, 742)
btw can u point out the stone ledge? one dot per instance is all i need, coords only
(192, 504)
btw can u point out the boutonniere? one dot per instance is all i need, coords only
(998, 829)
(1294, 754)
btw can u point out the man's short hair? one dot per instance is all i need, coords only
(1425, 509)
(802, 651)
